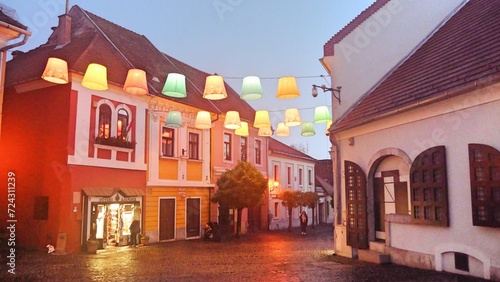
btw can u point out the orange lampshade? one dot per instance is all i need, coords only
(56, 71)
(287, 88)
(243, 130)
(328, 124)
(265, 131)
(136, 82)
(95, 77)
(214, 88)
(282, 130)
(203, 120)
(232, 120)
(292, 117)
(261, 119)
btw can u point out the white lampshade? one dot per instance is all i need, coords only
(262, 119)
(214, 88)
(265, 131)
(136, 83)
(251, 88)
(95, 77)
(307, 129)
(322, 114)
(203, 120)
(232, 120)
(243, 130)
(282, 130)
(56, 71)
(292, 117)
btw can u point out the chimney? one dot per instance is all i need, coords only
(64, 30)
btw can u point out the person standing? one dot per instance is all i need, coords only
(303, 222)
(135, 229)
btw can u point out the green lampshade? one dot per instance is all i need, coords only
(307, 129)
(322, 114)
(174, 119)
(251, 88)
(175, 86)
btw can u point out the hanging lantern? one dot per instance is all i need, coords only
(328, 124)
(265, 131)
(307, 129)
(243, 130)
(232, 120)
(174, 119)
(292, 117)
(322, 114)
(56, 71)
(287, 88)
(95, 77)
(261, 119)
(175, 86)
(251, 88)
(203, 120)
(214, 88)
(136, 83)
(282, 130)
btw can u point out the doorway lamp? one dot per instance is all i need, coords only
(325, 89)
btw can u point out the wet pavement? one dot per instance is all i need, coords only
(258, 256)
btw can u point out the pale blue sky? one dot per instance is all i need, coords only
(233, 38)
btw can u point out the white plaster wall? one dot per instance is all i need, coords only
(364, 56)
(456, 122)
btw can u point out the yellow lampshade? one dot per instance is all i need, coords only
(251, 88)
(214, 88)
(243, 130)
(265, 131)
(203, 120)
(136, 83)
(322, 114)
(328, 124)
(175, 86)
(174, 119)
(232, 120)
(292, 117)
(56, 71)
(261, 119)
(287, 88)
(95, 77)
(282, 130)
(307, 129)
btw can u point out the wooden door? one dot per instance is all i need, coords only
(193, 220)
(355, 186)
(167, 219)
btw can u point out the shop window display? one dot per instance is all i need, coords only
(112, 222)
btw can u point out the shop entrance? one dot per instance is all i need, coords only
(110, 222)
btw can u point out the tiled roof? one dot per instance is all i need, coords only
(280, 148)
(462, 55)
(4, 17)
(328, 49)
(96, 40)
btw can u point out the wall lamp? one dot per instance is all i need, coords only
(324, 88)
(275, 185)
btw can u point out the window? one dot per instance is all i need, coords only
(243, 148)
(258, 147)
(167, 142)
(429, 187)
(484, 166)
(227, 147)
(276, 173)
(301, 172)
(309, 177)
(194, 146)
(276, 209)
(289, 176)
(122, 126)
(104, 121)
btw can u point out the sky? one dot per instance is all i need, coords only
(233, 38)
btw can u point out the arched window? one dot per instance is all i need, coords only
(122, 126)
(104, 121)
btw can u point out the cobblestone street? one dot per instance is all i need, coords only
(261, 256)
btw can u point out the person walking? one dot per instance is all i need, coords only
(303, 222)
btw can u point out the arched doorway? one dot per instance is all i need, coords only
(388, 189)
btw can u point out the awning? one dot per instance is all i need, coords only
(108, 192)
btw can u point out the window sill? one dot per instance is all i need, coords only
(113, 148)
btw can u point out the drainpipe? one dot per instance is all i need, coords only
(26, 34)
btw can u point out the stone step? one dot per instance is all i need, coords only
(377, 247)
(374, 256)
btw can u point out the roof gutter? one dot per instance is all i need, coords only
(26, 34)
